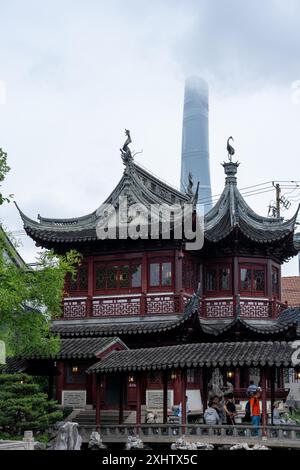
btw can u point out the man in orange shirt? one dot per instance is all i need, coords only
(255, 410)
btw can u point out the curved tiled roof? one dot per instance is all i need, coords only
(197, 355)
(139, 186)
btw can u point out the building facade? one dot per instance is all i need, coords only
(135, 298)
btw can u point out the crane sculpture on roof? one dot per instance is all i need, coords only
(230, 149)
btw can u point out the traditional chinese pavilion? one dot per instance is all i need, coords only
(148, 315)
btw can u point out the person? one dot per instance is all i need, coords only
(211, 416)
(255, 411)
(247, 418)
(230, 409)
(216, 404)
(251, 389)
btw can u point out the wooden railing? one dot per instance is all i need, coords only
(127, 305)
(164, 303)
(245, 307)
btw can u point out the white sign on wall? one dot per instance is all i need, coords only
(74, 398)
(154, 398)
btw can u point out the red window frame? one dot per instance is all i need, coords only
(217, 267)
(118, 264)
(69, 281)
(252, 268)
(160, 287)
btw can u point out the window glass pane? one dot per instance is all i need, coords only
(211, 278)
(136, 275)
(154, 274)
(259, 280)
(166, 275)
(73, 282)
(246, 279)
(100, 278)
(112, 277)
(224, 275)
(124, 276)
(83, 278)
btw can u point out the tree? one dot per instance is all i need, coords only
(29, 298)
(23, 406)
(4, 169)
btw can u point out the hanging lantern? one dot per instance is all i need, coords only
(230, 374)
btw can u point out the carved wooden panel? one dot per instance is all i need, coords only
(162, 304)
(116, 307)
(74, 308)
(219, 308)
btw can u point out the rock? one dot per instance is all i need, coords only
(95, 442)
(245, 446)
(134, 442)
(182, 444)
(67, 437)
(40, 445)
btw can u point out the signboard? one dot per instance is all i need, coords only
(154, 398)
(74, 398)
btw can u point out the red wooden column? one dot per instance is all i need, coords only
(138, 399)
(183, 399)
(89, 306)
(98, 399)
(237, 377)
(144, 284)
(272, 380)
(121, 399)
(165, 396)
(178, 271)
(204, 394)
(263, 381)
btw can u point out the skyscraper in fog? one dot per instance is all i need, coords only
(195, 146)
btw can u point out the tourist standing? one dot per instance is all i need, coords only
(230, 409)
(255, 411)
(211, 416)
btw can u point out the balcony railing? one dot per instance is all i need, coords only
(165, 303)
(130, 305)
(245, 307)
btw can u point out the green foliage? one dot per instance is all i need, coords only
(4, 169)
(24, 407)
(29, 298)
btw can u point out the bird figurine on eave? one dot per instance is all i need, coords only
(230, 149)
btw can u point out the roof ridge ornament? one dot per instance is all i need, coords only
(230, 167)
(125, 150)
(230, 149)
(189, 190)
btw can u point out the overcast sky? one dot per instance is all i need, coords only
(74, 74)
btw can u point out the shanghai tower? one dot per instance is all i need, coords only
(195, 148)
